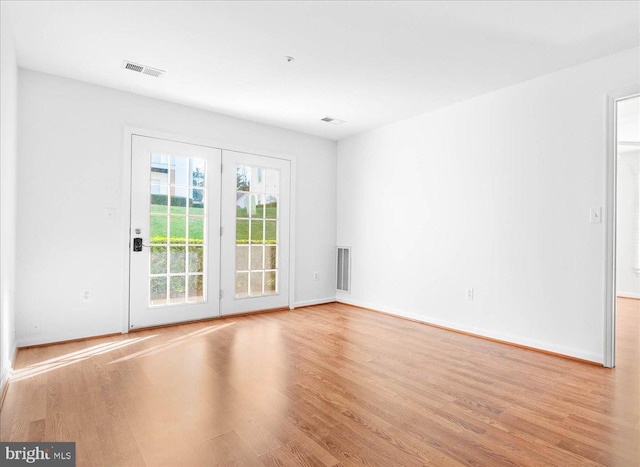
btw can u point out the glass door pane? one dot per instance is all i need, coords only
(256, 231)
(255, 245)
(177, 220)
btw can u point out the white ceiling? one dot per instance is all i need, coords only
(369, 63)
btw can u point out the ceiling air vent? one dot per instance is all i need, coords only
(145, 70)
(334, 121)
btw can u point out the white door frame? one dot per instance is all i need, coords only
(128, 133)
(610, 235)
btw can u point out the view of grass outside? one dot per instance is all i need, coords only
(177, 223)
(244, 227)
(177, 229)
(174, 251)
(257, 224)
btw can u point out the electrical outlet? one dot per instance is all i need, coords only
(469, 294)
(109, 214)
(315, 276)
(86, 295)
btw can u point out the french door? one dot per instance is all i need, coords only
(205, 241)
(175, 224)
(255, 233)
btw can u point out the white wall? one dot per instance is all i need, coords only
(491, 193)
(70, 167)
(8, 156)
(628, 225)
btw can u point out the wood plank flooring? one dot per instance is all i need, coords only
(329, 385)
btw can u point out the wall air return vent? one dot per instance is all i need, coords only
(145, 70)
(344, 269)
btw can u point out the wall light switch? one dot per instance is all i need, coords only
(86, 295)
(595, 215)
(469, 294)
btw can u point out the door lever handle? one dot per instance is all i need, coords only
(138, 244)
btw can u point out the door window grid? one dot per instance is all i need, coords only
(177, 221)
(257, 190)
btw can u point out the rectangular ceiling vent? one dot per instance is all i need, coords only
(344, 269)
(145, 70)
(334, 121)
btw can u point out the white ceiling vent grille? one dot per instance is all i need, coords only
(333, 121)
(344, 269)
(145, 70)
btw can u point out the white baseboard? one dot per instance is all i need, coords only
(628, 295)
(518, 340)
(62, 335)
(36, 340)
(319, 301)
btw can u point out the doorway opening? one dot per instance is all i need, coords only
(627, 275)
(623, 223)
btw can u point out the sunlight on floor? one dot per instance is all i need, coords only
(71, 358)
(100, 349)
(172, 343)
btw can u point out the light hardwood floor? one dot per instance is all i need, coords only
(326, 385)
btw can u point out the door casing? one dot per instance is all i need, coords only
(609, 352)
